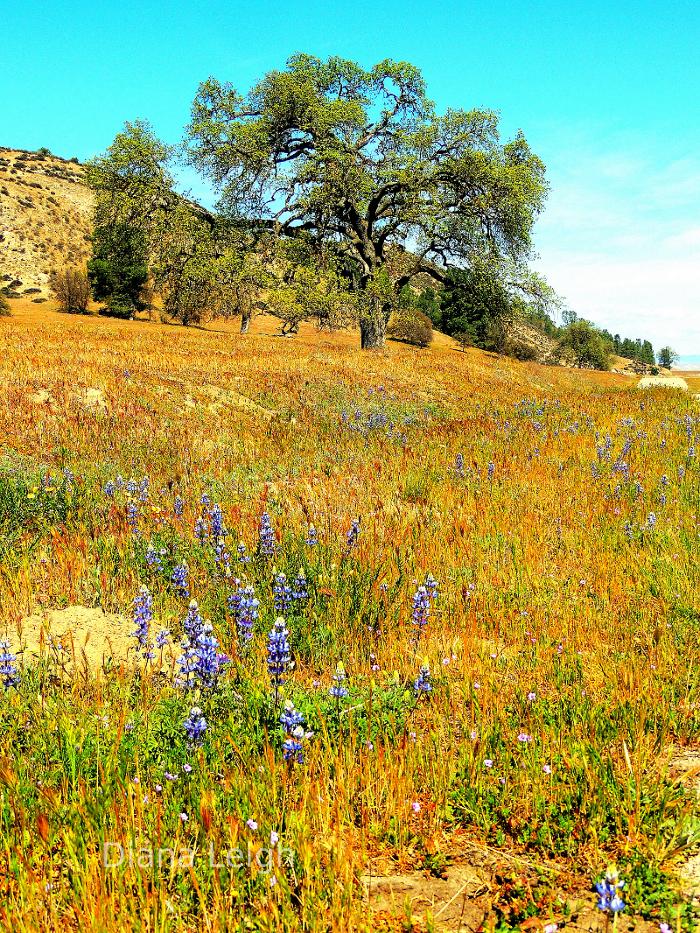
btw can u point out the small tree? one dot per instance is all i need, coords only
(667, 357)
(118, 270)
(360, 160)
(72, 290)
(475, 301)
(585, 344)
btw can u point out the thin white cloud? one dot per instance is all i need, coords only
(620, 241)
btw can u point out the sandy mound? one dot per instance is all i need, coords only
(89, 639)
(662, 382)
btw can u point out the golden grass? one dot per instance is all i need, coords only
(566, 615)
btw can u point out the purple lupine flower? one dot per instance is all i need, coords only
(421, 609)
(195, 725)
(243, 556)
(290, 717)
(459, 465)
(201, 663)
(143, 615)
(132, 517)
(339, 690)
(216, 522)
(193, 622)
(608, 889)
(278, 654)
(222, 558)
(178, 506)
(153, 558)
(422, 683)
(162, 638)
(179, 580)
(143, 490)
(109, 489)
(282, 593)
(9, 675)
(431, 586)
(292, 747)
(201, 531)
(491, 469)
(300, 588)
(353, 534)
(266, 536)
(244, 607)
(311, 536)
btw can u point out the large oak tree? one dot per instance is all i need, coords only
(360, 160)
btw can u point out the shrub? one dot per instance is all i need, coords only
(520, 349)
(118, 306)
(4, 306)
(71, 288)
(465, 338)
(411, 326)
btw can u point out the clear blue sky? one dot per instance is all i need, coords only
(606, 92)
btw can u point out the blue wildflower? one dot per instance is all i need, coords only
(201, 532)
(153, 558)
(195, 725)
(216, 522)
(179, 580)
(339, 690)
(353, 534)
(266, 536)
(9, 675)
(422, 683)
(193, 623)
(244, 607)
(282, 594)
(300, 588)
(278, 653)
(143, 615)
(178, 507)
(132, 517)
(608, 889)
(311, 536)
(109, 489)
(421, 608)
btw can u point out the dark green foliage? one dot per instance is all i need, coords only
(585, 345)
(118, 270)
(4, 306)
(667, 357)
(475, 302)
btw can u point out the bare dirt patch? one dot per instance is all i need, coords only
(78, 638)
(662, 382)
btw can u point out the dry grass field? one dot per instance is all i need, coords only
(488, 576)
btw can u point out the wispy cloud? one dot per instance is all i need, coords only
(620, 239)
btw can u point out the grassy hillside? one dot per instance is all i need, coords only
(45, 219)
(556, 510)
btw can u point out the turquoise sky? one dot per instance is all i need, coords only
(607, 93)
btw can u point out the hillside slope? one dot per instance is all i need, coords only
(45, 219)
